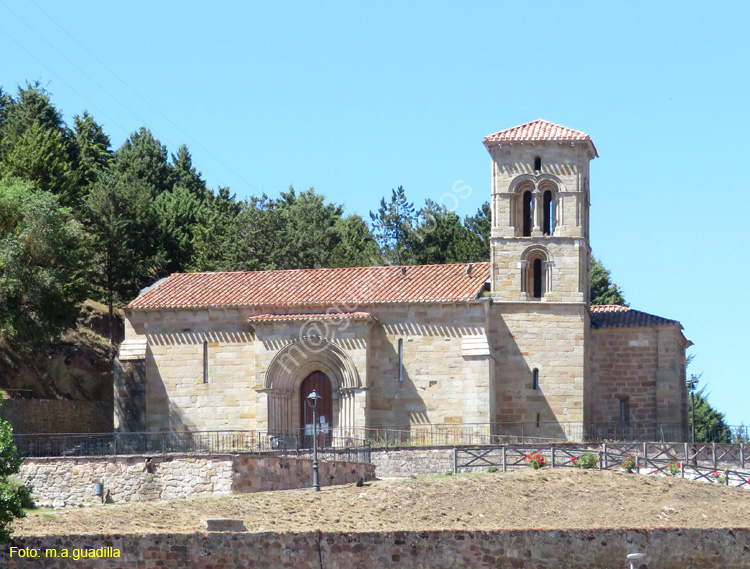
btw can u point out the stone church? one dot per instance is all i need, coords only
(508, 345)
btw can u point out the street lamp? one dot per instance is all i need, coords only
(633, 557)
(312, 400)
(691, 384)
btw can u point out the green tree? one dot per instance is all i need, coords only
(176, 214)
(603, 290)
(35, 144)
(356, 245)
(142, 157)
(183, 174)
(305, 230)
(479, 227)
(393, 225)
(215, 236)
(44, 265)
(92, 150)
(710, 426)
(124, 227)
(439, 236)
(12, 496)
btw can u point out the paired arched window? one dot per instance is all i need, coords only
(535, 208)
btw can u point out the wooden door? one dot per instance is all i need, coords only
(319, 382)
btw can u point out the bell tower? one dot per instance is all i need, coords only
(540, 270)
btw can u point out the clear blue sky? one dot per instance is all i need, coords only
(358, 98)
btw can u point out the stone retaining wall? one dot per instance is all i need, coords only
(58, 416)
(59, 482)
(517, 549)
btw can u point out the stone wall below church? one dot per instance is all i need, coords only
(71, 481)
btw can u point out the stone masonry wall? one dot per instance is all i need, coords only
(546, 337)
(440, 383)
(672, 548)
(57, 416)
(69, 481)
(643, 366)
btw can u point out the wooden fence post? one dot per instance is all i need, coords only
(713, 454)
(686, 454)
(553, 455)
(455, 460)
(742, 456)
(726, 477)
(505, 467)
(606, 456)
(600, 460)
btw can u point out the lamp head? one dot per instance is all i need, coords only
(312, 399)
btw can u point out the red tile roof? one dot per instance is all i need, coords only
(347, 286)
(614, 316)
(537, 130)
(326, 316)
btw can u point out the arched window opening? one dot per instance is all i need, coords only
(537, 163)
(537, 284)
(549, 213)
(528, 213)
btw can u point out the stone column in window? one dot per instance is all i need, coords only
(538, 212)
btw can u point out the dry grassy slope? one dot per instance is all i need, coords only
(561, 498)
(77, 367)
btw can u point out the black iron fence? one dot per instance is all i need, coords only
(358, 441)
(330, 447)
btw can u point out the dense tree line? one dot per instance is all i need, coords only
(81, 220)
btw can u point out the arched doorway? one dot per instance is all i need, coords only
(319, 382)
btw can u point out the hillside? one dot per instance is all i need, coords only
(561, 498)
(78, 367)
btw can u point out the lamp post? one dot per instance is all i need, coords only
(691, 384)
(633, 557)
(312, 400)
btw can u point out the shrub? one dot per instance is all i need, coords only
(535, 460)
(360, 482)
(719, 477)
(673, 468)
(14, 486)
(492, 469)
(629, 464)
(586, 460)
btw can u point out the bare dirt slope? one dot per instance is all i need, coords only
(562, 498)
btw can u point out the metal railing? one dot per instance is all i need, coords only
(330, 446)
(339, 440)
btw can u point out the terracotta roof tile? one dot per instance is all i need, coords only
(614, 316)
(537, 130)
(316, 316)
(347, 286)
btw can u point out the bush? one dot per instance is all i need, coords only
(15, 487)
(535, 460)
(587, 460)
(629, 464)
(492, 469)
